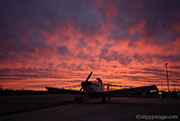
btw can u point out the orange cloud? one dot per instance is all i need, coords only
(122, 42)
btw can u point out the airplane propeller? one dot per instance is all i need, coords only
(81, 89)
(85, 84)
(88, 77)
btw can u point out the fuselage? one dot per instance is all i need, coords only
(92, 86)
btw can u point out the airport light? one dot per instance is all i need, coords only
(160, 93)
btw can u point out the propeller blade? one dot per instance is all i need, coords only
(88, 77)
(80, 89)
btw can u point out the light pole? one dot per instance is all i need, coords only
(167, 78)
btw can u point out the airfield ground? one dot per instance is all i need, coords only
(20, 103)
(61, 107)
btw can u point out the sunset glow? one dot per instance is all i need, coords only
(59, 42)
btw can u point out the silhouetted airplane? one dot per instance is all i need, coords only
(96, 89)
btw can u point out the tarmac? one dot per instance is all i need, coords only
(117, 109)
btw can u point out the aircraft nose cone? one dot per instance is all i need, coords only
(84, 85)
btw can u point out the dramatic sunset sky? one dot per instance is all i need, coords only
(59, 42)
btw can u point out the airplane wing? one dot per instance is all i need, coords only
(130, 90)
(62, 90)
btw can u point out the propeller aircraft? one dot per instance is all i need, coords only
(96, 89)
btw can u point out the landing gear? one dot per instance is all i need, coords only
(108, 98)
(78, 99)
(103, 99)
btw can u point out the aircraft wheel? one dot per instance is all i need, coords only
(108, 98)
(103, 100)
